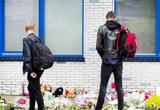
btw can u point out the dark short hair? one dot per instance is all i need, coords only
(110, 14)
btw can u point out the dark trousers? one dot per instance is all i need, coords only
(34, 89)
(106, 71)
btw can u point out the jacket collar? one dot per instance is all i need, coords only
(29, 35)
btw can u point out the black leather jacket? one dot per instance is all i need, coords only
(106, 41)
(27, 57)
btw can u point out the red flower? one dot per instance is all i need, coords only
(146, 97)
(66, 92)
(148, 93)
(113, 85)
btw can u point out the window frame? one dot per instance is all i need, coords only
(17, 55)
(157, 37)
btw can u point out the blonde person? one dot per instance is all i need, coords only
(34, 74)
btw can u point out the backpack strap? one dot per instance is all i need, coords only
(119, 36)
(33, 38)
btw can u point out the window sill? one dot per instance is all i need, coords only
(142, 60)
(56, 59)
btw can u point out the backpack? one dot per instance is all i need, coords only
(126, 43)
(42, 57)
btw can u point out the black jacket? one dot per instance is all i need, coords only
(27, 56)
(105, 46)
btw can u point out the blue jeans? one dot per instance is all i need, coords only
(106, 71)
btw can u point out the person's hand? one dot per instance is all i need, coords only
(33, 75)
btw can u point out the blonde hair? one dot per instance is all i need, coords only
(30, 26)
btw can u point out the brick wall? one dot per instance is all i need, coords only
(136, 75)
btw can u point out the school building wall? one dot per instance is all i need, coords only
(136, 75)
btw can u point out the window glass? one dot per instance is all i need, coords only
(63, 26)
(139, 17)
(17, 14)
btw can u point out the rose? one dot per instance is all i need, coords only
(113, 85)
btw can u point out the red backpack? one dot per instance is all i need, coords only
(126, 43)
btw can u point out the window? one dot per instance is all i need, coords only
(14, 15)
(59, 23)
(17, 14)
(141, 17)
(63, 26)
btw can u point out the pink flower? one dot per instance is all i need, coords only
(148, 93)
(113, 85)
(21, 101)
(85, 103)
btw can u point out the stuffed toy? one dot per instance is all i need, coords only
(70, 92)
(46, 87)
(58, 92)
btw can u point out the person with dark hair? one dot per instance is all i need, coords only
(34, 74)
(111, 59)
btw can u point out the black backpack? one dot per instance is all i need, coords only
(42, 57)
